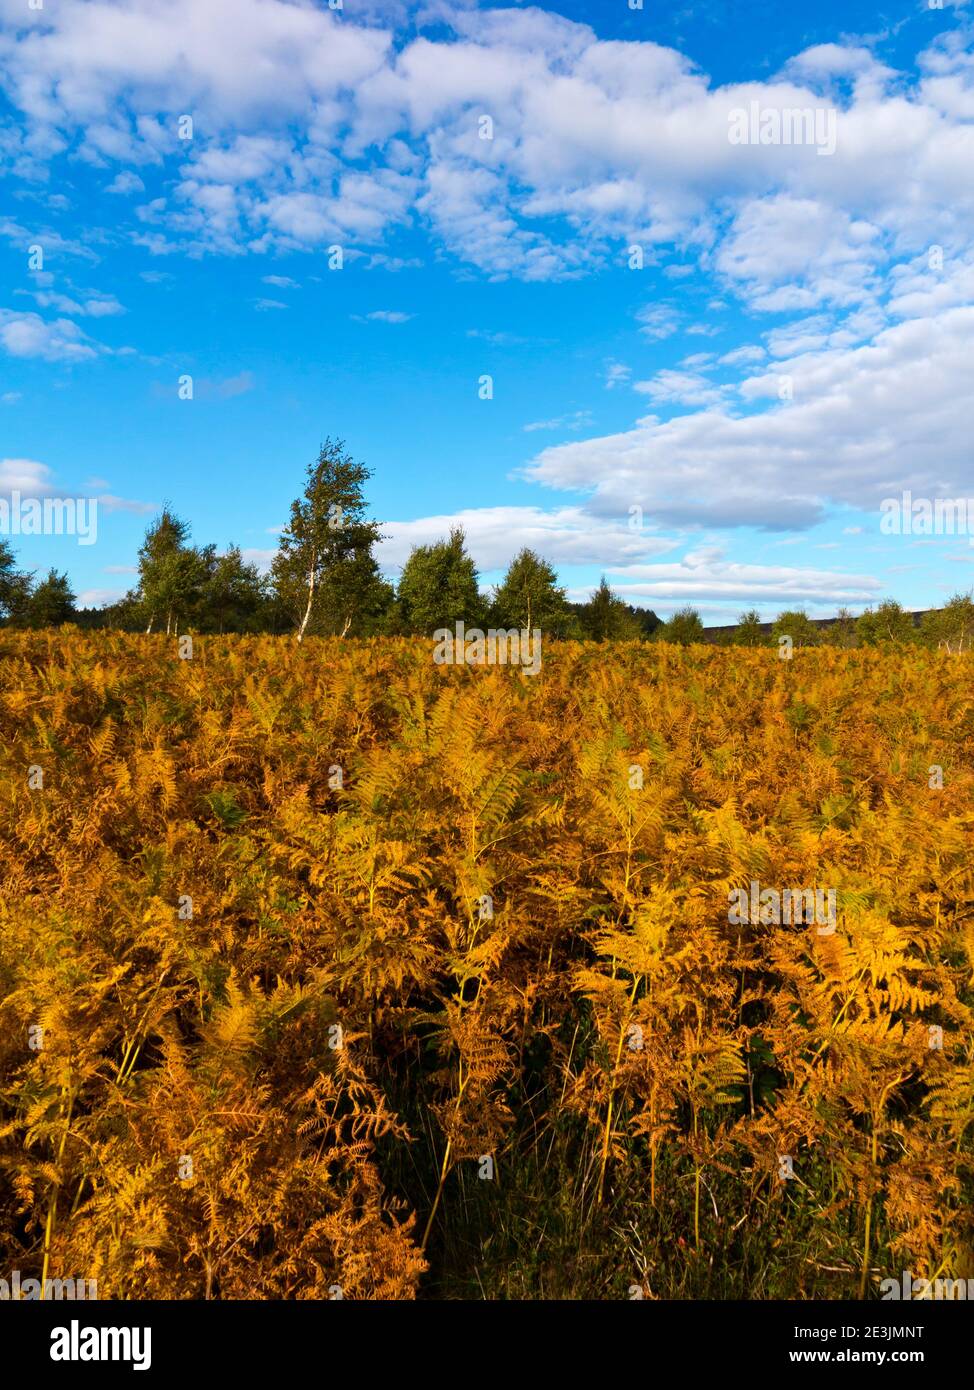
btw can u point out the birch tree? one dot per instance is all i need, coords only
(324, 571)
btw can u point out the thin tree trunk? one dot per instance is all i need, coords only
(311, 595)
(348, 624)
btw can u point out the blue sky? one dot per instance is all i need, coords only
(717, 426)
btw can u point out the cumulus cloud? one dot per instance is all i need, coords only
(864, 423)
(494, 127)
(29, 335)
(126, 182)
(228, 60)
(27, 476)
(564, 535)
(788, 253)
(705, 576)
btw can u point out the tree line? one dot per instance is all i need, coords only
(950, 627)
(325, 581)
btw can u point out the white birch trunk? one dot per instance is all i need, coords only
(311, 595)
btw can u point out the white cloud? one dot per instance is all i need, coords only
(126, 182)
(53, 244)
(697, 360)
(683, 388)
(263, 559)
(27, 476)
(658, 320)
(98, 598)
(102, 306)
(496, 339)
(575, 421)
(34, 479)
(616, 374)
(787, 253)
(596, 145)
(110, 503)
(95, 306)
(227, 60)
(28, 335)
(742, 356)
(706, 576)
(565, 536)
(865, 422)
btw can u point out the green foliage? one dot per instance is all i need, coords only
(842, 633)
(233, 594)
(529, 596)
(607, 618)
(172, 573)
(15, 587)
(683, 628)
(225, 808)
(888, 623)
(951, 627)
(438, 587)
(748, 632)
(795, 623)
(325, 581)
(324, 573)
(51, 603)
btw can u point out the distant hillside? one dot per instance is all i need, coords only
(714, 634)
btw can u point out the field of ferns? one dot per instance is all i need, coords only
(326, 971)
